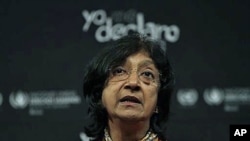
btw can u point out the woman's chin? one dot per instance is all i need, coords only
(132, 117)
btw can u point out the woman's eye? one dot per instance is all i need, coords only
(118, 71)
(148, 74)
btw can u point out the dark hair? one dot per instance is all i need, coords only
(98, 70)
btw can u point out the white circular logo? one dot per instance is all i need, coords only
(187, 97)
(1, 99)
(19, 100)
(213, 96)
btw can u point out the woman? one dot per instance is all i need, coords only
(128, 87)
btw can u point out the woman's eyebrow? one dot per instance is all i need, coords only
(146, 63)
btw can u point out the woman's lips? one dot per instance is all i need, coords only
(130, 99)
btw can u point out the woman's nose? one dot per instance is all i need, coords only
(133, 81)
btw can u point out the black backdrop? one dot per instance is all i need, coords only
(45, 45)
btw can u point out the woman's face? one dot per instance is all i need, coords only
(131, 89)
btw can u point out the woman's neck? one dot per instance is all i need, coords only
(127, 130)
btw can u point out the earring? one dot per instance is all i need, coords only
(156, 110)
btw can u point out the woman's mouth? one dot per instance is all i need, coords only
(130, 99)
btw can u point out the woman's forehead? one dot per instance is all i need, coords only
(139, 59)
